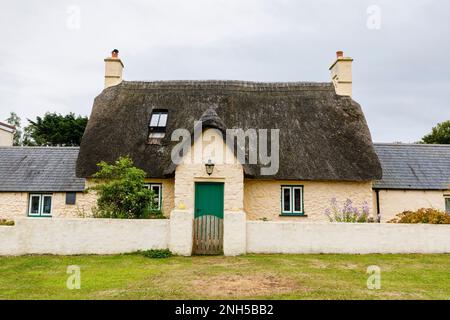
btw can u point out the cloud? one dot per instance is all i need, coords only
(51, 59)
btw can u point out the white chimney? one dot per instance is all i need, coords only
(113, 69)
(341, 74)
(6, 135)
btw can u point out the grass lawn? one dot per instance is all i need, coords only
(133, 276)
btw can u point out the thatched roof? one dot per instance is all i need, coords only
(323, 136)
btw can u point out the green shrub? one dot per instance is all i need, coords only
(156, 253)
(4, 222)
(150, 213)
(424, 215)
(121, 191)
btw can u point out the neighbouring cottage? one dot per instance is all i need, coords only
(41, 182)
(414, 176)
(325, 147)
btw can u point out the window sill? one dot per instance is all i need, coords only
(41, 216)
(293, 215)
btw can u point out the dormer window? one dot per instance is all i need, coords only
(157, 125)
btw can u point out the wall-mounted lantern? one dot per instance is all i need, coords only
(209, 167)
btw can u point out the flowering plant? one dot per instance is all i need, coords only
(348, 213)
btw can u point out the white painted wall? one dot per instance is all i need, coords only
(110, 236)
(82, 236)
(315, 237)
(234, 233)
(181, 232)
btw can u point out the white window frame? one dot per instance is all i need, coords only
(283, 210)
(157, 116)
(41, 197)
(292, 210)
(45, 214)
(34, 214)
(447, 209)
(150, 186)
(301, 200)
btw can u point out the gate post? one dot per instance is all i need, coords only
(181, 232)
(234, 233)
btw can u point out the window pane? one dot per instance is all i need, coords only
(297, 200)
(162, 120)
(447, 205)
(71, 198)
(157, 189)
(35, 204)
(286, 199)
(156, 135)
(154, 120)
(47, 204)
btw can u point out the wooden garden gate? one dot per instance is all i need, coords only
(208, 222)
(208, 235)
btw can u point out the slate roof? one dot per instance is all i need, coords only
(414, 166)
(323, 136)
(39, 169)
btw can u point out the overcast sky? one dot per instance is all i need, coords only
(51, 52)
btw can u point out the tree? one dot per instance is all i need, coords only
(121, 192)
(55, 130)
(439, 134)
(15, 121)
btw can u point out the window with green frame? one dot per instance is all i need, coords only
(157, 189)
(292, 201)
(447, 205)
(40, 205)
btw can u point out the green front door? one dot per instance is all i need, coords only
(209, 199)
(208, 222)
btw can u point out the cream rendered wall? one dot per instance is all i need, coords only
(6, 138)
(393, 202)
(226, 170)
(262, 198)
(15, 205)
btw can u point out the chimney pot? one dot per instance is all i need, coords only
(339, 54)
(115, 53)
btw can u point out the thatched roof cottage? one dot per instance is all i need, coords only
(318, 147)
(325, 147)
